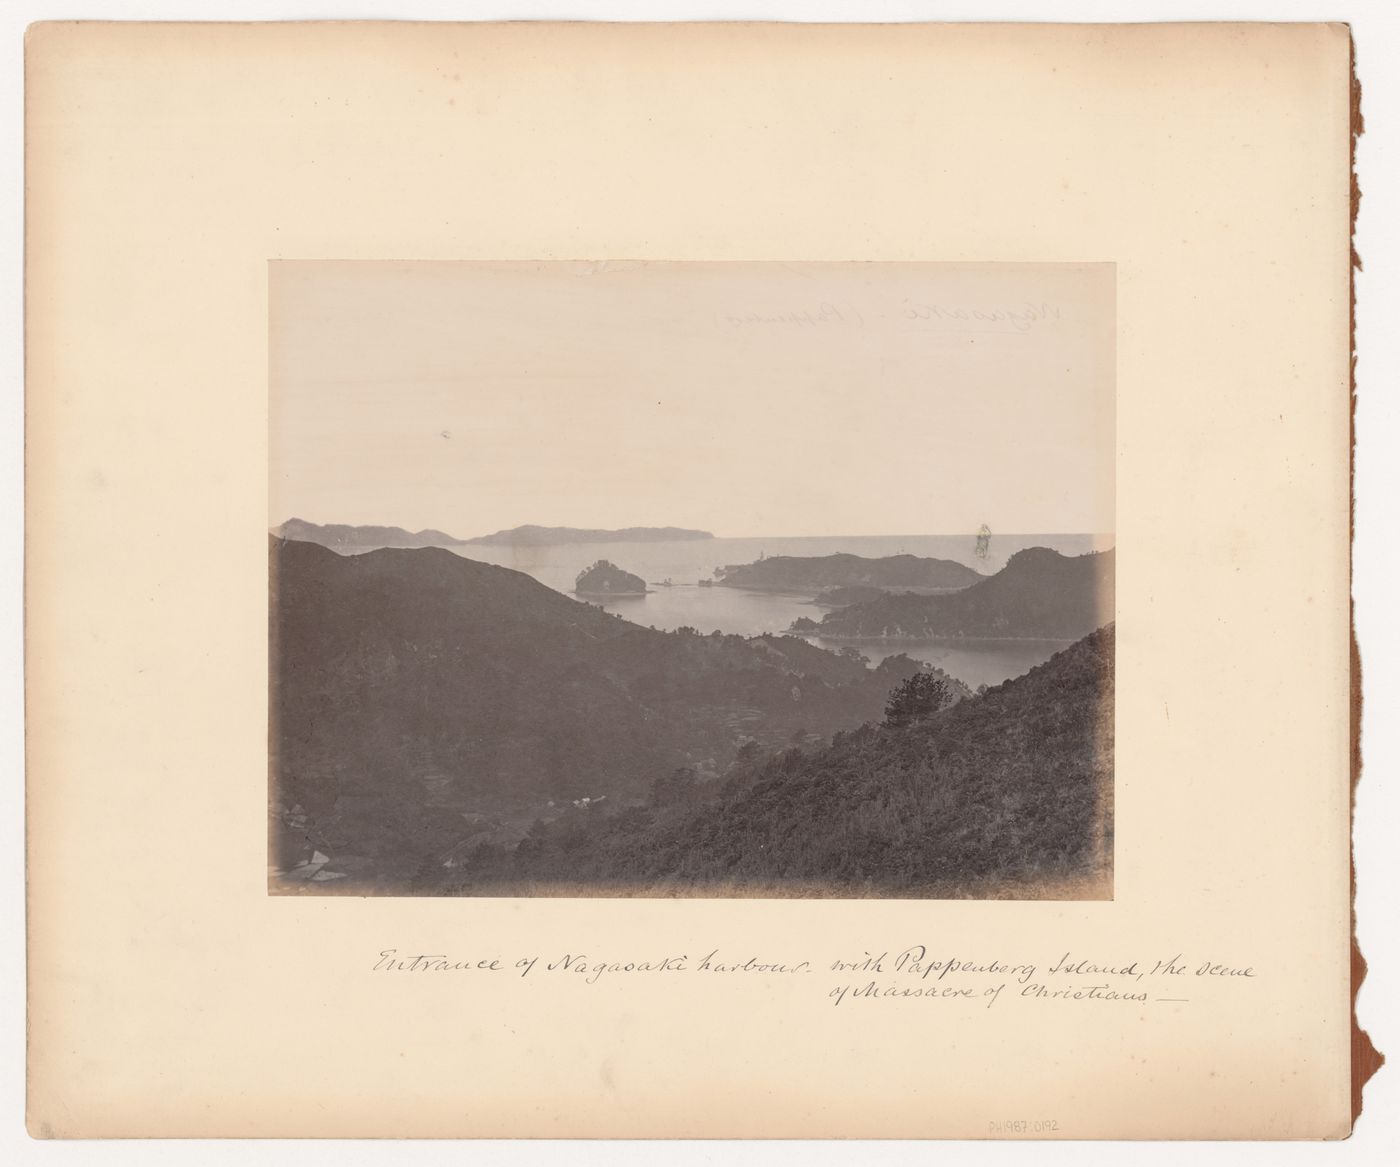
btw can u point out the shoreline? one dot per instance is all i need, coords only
(937, 639)
(814, 597)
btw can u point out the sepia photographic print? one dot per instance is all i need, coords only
(692, 579)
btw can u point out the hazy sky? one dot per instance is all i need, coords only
(742, 398)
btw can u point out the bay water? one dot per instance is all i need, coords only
(686, 603)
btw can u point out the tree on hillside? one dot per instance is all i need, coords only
(917, 698)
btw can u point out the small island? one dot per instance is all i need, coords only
(607, 579)
(823, 574)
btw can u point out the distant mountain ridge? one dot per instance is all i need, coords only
(337, 535)
(531, 535)
(820, 573)
(1039, 594)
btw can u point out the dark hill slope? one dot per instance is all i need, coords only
(1008, 793)
(419, 683)
(1039, 594)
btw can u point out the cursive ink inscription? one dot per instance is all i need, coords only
(916, 972)
(390, 961)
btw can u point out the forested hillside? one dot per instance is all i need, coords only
(411, 688)
(1007, 793)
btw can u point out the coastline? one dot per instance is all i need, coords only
(814, 597)
(935, 639)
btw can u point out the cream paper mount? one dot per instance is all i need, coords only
(1208, 166)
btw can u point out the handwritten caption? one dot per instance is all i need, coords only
(915, 972)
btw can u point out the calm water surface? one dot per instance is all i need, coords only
(733, 610)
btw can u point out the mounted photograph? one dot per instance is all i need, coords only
(692, 579)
